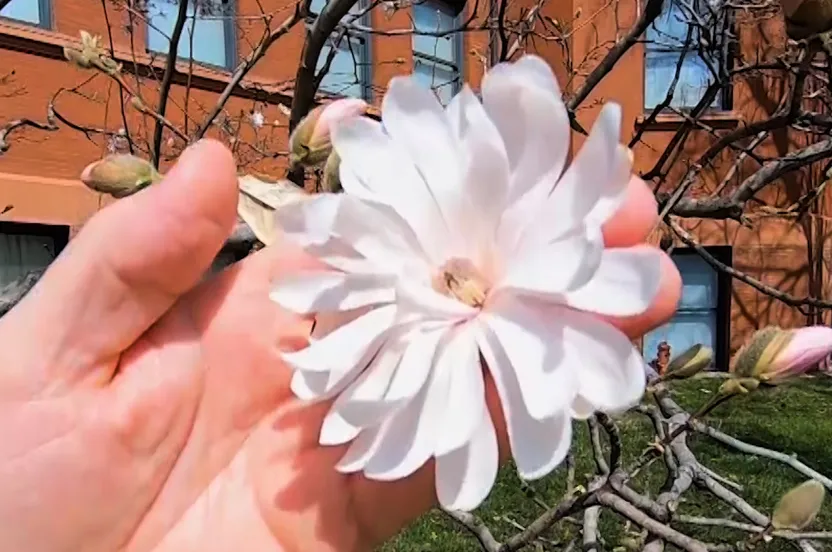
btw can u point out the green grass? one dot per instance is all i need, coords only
(795, 418)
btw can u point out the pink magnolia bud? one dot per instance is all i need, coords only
(806, 348)
(310, 142)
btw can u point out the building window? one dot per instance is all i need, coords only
(349, 72)
(437, 59)
(208, 36)
(703, 314)
(28, 247)
(674, 35)
(34, 12)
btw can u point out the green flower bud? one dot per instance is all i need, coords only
(331, 179)
(689, 363)
(310, 142)
(120, 175)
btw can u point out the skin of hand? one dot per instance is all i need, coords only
(146, 408)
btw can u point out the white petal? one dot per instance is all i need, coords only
(593, 186)
(625, 284)
(538, 446)
(422, 303)
(549, 270)
(478, 210)
(346, 347)
(415, 120)
(534, 124)
(316, 291)
(611, 371)
(309, 386)
(533, 345)
(416, 364)
(581, 408)
(335, 430)
(410, 440)
(360, 450)
(465, 476)
(342, 225)
(363, 404)
(537, 71)
(465, 403)
(327, 322)
(374, 165)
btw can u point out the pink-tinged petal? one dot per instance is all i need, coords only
(625, 284)
(459, 358)
(334, 113)
(316, 291)
(349, 346)
(610, 368)
(465, 476)
(373, 166)
(533, 346)
(549, 270)
(808, 347)
(593, 186)
(410, 440)
(415, 120)
(538, 446)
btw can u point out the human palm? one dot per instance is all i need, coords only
(144, 410)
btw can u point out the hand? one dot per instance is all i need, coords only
(144, 409)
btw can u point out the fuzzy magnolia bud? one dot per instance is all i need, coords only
(310, 143)
(119, 175)
(758, 351)
(331, 178)
(774, 355)
(689, 363)
(799, 507)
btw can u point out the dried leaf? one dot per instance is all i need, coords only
(799, 507)
(258, 200)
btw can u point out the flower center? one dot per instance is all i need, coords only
(460, 279)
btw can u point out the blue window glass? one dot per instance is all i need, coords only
(696, 317)
(665, 45)
(349, 72)
(437, 59)
(208, 28)
(35, 12)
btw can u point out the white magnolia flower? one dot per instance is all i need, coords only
(461, 237)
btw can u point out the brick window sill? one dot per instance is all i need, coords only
(717, 120)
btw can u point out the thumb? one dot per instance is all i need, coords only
(126, 267)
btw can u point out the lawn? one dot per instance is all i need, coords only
(795, 418)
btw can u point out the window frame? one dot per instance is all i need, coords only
(44, 12)
(364, 62)
(725, 97)
(229, 29)
(458, 48)
(58, 233)
(722, 310)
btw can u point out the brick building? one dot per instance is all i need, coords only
(38, 173)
